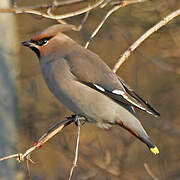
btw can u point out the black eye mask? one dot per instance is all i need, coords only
(42, 41)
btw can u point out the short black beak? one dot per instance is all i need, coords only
(26, 43)
(32, 46)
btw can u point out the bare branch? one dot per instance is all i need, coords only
(79, 27)
(28, 170)
(47, 136)
(115, 8)
(127, 53)
(126, 2)
(105, 3)
(10, 156)
(79, 120)
(100, 25)
(50, 15)
(150, 172)
(47, 6)
(76, 151)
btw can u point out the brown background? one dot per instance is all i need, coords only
(112, 154)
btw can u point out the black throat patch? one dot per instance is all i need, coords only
(36, 50)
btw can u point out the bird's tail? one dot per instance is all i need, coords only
(135, 128)
(150, 145)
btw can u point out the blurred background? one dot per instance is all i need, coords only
(28, 109)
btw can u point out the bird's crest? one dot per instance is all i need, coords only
(52, 31)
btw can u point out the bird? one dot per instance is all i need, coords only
(86, 85)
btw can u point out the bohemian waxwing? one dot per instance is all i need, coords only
(86, 85)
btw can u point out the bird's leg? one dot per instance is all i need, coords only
(79, 120)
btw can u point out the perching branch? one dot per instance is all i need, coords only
(55, 129)
(46, 11)
(77, 148)
(45, 137)
(127, 53)
(28, 170)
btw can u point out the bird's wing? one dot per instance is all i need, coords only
(132, 94)
(90, 70)
(126, 97)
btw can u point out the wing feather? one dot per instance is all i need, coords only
(125, 98)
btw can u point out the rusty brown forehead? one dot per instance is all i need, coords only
(41, 36)
(52, 31)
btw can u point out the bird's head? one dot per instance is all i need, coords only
(44, 40)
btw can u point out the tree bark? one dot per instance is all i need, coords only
(8, 93)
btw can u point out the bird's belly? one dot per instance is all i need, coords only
(93, 105)
(85, 101)
(78, 97)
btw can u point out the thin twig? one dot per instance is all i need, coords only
(100, 25)
(47, 136)
(77, 149)
(56, 4)
(148, 170)
(115, 8)
(158, 62)
(105, 3)
(79, 27)
(10, 156)
(51, 16)
(127, 53)
(28, 170)
(128, 2)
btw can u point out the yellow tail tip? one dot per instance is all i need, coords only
(154, 150)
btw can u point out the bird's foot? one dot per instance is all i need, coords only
(79, 120)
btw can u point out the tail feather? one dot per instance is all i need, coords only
(150, 145)
(135, 128)
(154, 150)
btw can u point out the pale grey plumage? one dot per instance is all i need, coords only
(86, 85)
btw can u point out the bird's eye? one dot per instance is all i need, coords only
(43, 42)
